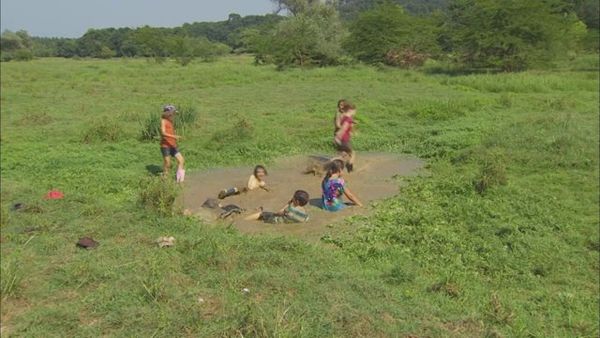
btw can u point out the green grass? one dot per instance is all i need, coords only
(500, 239)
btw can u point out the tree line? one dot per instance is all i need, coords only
(508, 35)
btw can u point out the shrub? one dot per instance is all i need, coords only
(151, 128)
(311, 37)
(440, 110)
(103, 131)
(23, 55)
(388, 34)
(242, 130)
(405, 58)
(11, 277)
(510, 35)
(158, 194)
(106, 53)
(492, 172)
(35, 119)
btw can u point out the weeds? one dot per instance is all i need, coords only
(446, 287)
(11, 277)
(35, 119)
(103, 131)
(240, 131)
(442, 110)
(151, 128)
(158, 194)
(492, 172)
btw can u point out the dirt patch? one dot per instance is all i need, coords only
(376, 176)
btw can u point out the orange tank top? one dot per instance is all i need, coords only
(167, 141)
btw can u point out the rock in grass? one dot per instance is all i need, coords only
(164, 241)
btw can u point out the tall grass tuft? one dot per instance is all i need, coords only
(492, 172)
(240, 131)
(158, 194)
(103, 131)
(441, 110)
(11, 278)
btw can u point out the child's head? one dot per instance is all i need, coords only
(347, 107)
(168, 112)
(333, 168)
(341, 104)
(300, 198)
(260, 172)
(339, 163)
(344, 151)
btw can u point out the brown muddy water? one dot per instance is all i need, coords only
(376, 176)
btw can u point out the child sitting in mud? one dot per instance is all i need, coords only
(334, 187)
(256, 180)
(293, 212)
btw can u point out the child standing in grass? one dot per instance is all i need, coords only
(293, 212)
(256, 180)
(337, 119)
(334, 187)
(168, 143)
(344, 133)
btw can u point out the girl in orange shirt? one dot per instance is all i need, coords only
(168, 143)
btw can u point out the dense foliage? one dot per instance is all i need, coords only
(381, 33)
(311, 36)
(501, 35)
(511, 34)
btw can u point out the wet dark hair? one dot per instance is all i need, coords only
(347, 106)
(301, 197)
(334, 167)
(342, 103)
(259, 167)
(345, 148)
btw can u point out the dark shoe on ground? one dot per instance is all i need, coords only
(87, 243)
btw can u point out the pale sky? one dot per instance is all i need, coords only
(72, 18)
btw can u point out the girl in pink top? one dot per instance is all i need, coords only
(344, 134)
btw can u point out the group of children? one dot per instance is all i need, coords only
(333, 185)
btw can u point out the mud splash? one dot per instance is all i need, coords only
(376, 176)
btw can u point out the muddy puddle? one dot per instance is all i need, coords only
(376, 176)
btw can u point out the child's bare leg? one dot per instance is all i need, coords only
(180, 161)
(166, 165)
(253, 217)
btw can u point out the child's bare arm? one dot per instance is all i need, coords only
(352, 198)
(283, 210)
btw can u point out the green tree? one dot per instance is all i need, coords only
(351, 9)
(106, 53)
(388, 34)
(510, 34)
(15, 46)
(312, 35)
(297, 7)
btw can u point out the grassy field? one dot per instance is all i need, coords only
(501, 239)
